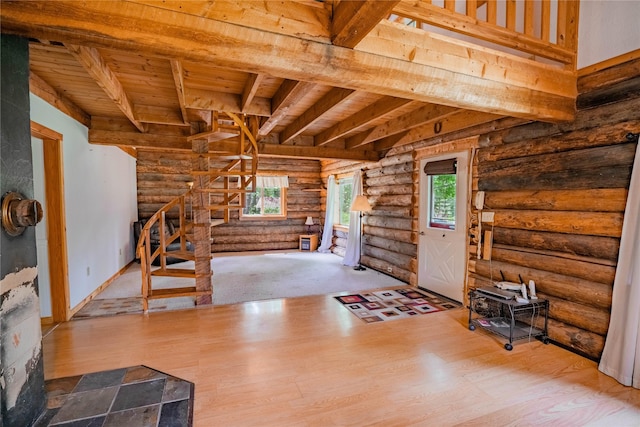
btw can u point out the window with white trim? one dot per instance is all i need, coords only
(442, 193)
(269, 200)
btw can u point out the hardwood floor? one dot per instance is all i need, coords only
(309, 362)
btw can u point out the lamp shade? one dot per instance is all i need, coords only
(360, 204)
(309, 221)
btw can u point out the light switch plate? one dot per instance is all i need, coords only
(487, 216)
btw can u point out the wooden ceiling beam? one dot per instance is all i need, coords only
(439, 126)
(332, 99)
(202, 99)
(360, 119)
(400, 124)
(353, 20)
(287, 95)
(317, 153)
(179, 143)
(178, 78)
(137, 140)
(520, 91)
(43, 90)
(160, 115)
(98, 69)
(250, 89)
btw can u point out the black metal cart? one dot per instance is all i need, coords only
(508, 318)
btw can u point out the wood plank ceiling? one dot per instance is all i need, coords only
(327, 79)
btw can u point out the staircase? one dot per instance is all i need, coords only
(224, 165)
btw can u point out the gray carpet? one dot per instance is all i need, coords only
(244, 277)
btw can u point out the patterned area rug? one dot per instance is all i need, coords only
(391, 304)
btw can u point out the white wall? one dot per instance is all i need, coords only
(607, 28)
(42, 244)
(100, 198)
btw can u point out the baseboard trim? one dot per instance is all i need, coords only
(99, 289)
(46, 321)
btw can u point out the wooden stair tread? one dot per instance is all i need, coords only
(220, 207)
(188, 291)
(186, 255)
(178, 272)
(215, 135)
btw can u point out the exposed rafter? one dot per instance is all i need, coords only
(42, 89)
(360, 119)
(406, 122)
(332, 99)
(220, 101)
(290, 92)
(439, 126)
(178, 78)
(352, 20)
(250, 89)
(92, 61)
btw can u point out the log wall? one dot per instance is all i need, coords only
(163, 176)
(389, 238)
(558, 193)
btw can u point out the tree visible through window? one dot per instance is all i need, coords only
(265, 201)
(442, 212)
(345, 188)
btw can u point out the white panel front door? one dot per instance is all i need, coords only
(442, 252)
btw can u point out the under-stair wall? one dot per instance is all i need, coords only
(163, 176)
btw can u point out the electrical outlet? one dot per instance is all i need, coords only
(488, 216)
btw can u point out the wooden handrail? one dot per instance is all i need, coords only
(144, 241)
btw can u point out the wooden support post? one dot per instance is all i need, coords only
(202, 223)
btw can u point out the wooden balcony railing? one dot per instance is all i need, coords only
(537, 28)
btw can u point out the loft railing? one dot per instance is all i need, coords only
(538, 28)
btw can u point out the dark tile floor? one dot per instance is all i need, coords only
(136, 396)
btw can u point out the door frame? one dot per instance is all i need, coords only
(448, 148)
(56, 221)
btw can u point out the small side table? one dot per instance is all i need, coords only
(308, 242)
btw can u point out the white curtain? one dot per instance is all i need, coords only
(272, 181)
(352, 253)
(621, 355)
(327, 232)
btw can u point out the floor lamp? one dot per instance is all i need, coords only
(360, 205)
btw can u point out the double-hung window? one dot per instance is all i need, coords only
(269, 200)
(442, 193)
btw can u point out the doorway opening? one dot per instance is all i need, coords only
(52, 241)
